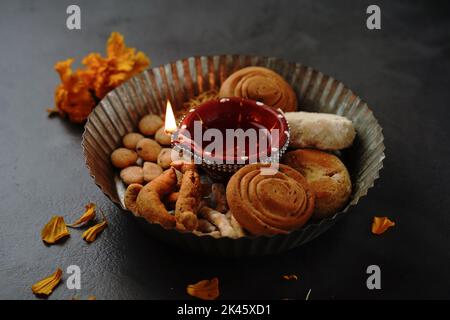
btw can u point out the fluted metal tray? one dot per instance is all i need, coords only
(120, 111)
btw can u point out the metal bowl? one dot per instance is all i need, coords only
(120, 111)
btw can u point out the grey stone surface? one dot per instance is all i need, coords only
(401, 70)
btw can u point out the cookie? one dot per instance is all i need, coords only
(269, 204)
(162, 137)
(148, 149)
(260, 84)
(133, 174)
(149, 124)
(326, 175)
(131, 139)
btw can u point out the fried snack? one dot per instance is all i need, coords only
(149, 124)
(148, 149)
(151, 171)
(172, 197)
(148, 202)
(270, 204)
(320, 130)
(165, 158)
(131, 139)
(189, 197)
(220, 197)
(162, 137)
(326, 175)
(123, 157)
(133, 174)
(260, 84)
(131, 195)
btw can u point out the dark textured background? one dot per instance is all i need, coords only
(402, 71)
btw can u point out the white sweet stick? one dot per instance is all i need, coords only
(205, 226)
(219, 220)
(214, 234)
(238, 231)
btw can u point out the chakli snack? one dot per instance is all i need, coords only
(260, 84)
(270, 204)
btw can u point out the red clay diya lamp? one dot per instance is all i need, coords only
(223, 135)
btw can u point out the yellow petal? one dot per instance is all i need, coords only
(205, 289)
(87, 216)
(290, 277)
(115, 45)
(381, 224)
(54, 230)
(46, 286)
(64, 69)
(90, 234)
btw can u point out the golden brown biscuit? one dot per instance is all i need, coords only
(165, 158)
(326, 175)
(151, 171)
(148, 149)
(123, 157)
(162, 137)
(149, 124)
(131, 139)
(269, 204)
(260, 84)
(133, 174)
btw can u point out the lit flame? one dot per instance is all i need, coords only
(170, 125)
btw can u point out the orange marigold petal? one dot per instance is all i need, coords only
(115, 45)
(87, 216)
(205, 289)
(80, 90)
(381, 224)
(64, 69)
(54, 230)
(91, 234)
(45, 286)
